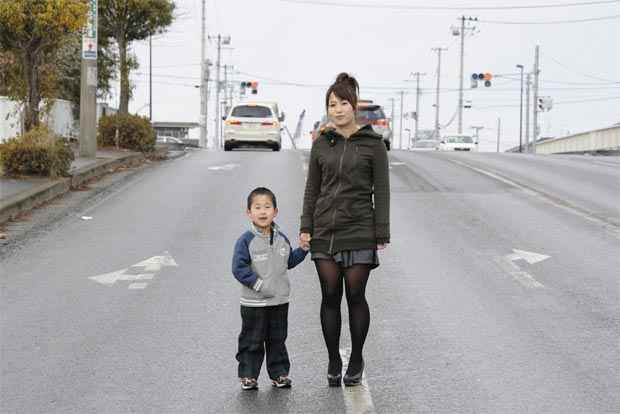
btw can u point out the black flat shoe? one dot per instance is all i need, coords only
(353, 380)
(334, 380)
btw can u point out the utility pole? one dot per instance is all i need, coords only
(88, 86)
(417, 103)
(438, 50)
(400, 141)
(499, 131)
(520, 67)
(203, 81)
(217, 91)
(527, 112)
(461, 32)
(536, 77)
(151, 78)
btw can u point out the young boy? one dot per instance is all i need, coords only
(260, 261)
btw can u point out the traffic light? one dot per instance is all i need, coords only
(486, 77)
(243, 86)
(545, 103)
(254, 86)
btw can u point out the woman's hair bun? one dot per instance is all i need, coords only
(343, 77)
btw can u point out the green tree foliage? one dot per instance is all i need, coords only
(126, 21)
(31, 33)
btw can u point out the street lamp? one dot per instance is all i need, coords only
(521, 112)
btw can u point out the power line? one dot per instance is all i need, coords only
(590, 19)
(408, 7)
(581, 73)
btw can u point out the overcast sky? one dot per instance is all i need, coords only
(307, 43)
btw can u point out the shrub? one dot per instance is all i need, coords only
(37, 152)
(134, 132)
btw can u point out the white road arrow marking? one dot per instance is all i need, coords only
(144, 270)
(508, 263)
(529, 257)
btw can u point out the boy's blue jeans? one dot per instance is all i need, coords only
(263, 329)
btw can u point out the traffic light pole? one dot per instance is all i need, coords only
(527, 112)
(438, 50)
(217, 92)
(461, 75)
(536, 77)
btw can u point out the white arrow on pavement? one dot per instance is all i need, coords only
(530, 257)
(527, 280)
(144, 270)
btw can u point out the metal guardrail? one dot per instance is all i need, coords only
(600, 140)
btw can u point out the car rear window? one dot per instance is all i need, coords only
(247, 111)
(370, 113)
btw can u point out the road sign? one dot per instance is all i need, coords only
(89, 37)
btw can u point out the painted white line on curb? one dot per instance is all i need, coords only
(357, 399)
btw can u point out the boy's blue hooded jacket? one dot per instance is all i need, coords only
(260, 263)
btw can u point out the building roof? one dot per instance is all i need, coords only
(176, 124)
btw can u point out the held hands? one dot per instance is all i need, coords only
(304, 241)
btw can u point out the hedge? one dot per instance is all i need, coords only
(134, 132)
(37, 152)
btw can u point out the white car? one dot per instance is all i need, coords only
(255, 124)
(457, 142)
(425, 145)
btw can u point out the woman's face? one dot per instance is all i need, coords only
(340, 111)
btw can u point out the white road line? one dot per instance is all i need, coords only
(357, 399)
(613, 229)
(137, 286)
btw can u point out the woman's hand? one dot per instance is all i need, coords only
(304, 241)
(381, 246)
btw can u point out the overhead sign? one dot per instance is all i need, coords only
(89, 37)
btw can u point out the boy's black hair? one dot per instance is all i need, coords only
(262, 191)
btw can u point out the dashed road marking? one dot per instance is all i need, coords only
(358, 399)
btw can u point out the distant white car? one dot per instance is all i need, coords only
(253, 123)
(457, 142)
(168, 140)
(425, 145)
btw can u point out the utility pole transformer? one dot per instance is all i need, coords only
(88, 86)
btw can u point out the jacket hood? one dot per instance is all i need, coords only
(365, 131)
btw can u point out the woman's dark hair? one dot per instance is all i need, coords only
(262, 191)
(346, 88)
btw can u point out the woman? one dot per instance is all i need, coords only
(348, 167)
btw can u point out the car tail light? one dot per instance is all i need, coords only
(269, 123)
(233, 122)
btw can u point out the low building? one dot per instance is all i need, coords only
(178, 130)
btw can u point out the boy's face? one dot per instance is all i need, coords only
(262, 212)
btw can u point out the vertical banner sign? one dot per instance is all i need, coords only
(89, 37)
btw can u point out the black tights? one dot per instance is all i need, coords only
(331, 276)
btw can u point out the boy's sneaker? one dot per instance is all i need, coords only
(282, 382)
(249, 384)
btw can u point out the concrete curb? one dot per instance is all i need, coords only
(34, 197)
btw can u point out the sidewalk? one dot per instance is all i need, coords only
(18, 195)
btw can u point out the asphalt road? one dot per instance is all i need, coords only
(498, 293)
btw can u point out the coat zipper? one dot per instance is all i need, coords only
(331, 242)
